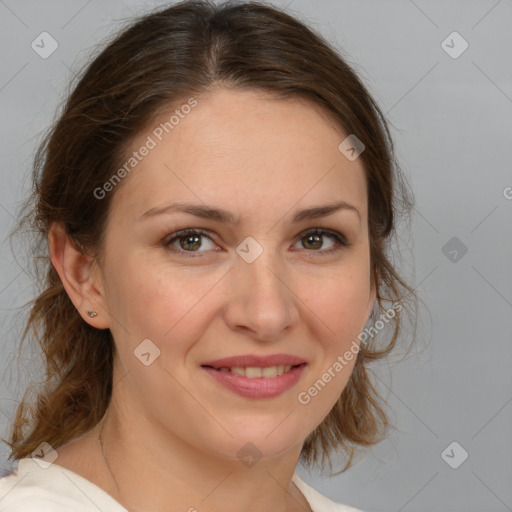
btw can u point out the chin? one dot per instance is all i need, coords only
(253, 439)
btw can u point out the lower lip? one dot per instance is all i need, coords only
(259, 387)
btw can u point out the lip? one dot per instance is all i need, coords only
(260, 387)
(255, 360)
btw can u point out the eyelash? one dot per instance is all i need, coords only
(340, 239)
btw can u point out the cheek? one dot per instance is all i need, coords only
(138, 296)
(339, 302)
(152, 301)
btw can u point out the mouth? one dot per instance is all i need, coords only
(256, 372)
(257, 376)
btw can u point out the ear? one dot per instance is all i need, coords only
(80, 276)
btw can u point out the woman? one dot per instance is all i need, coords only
(218, 196)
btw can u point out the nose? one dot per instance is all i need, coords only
(261, 302)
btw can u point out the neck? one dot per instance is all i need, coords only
(175, 476)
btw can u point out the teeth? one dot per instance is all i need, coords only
(269, 372)
(238, 371)
(253, 372)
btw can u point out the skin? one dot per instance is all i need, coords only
(172, 433)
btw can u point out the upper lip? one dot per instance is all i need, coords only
(250, 360)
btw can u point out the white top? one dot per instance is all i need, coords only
(33, 488)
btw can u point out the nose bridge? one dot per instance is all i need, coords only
(264, 274)
(266, 277)
(261, 300)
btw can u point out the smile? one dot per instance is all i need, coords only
(257, 377)
(253, 372)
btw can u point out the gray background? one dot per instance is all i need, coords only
(451, 118)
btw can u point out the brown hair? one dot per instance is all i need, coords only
(160, 59)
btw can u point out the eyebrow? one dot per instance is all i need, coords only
(220, 215)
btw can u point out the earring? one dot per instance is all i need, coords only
(92, 314)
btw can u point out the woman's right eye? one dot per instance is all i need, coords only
(187, 241)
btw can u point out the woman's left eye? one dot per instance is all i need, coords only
(314, 238)
(191, 240)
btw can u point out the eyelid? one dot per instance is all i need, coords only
(325, 231)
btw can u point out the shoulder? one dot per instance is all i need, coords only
(23, 491)
(318, 502)
(51, 488)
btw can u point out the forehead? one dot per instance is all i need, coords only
(244, 151)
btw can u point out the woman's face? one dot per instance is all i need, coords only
(258, 285)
